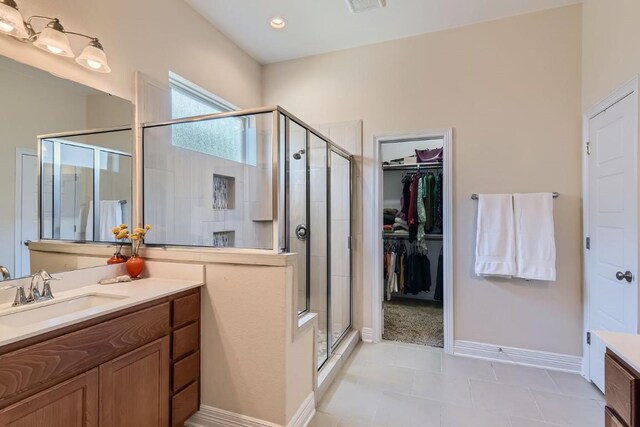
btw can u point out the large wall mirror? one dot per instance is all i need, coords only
(83, 168)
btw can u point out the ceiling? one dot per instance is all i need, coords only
(320, 26)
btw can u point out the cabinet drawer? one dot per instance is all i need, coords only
(186, 340)
(621, 390)
(185, 404)
(185, 371)
(186, 309)
(610, 419)
(41, 365)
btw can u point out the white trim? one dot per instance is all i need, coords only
(367, 335)
(376, 313)
(519, 356)
(17, 258)
(208, 416)
(630, 88)
(305, 412)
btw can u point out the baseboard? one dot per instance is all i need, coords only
(208, 416)
(305, 412)
(367, 334)
(519, 356)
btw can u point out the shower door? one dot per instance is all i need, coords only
(297, 220)
(340, 238)
(318, 229)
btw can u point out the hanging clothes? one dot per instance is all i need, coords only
(439, 278)
(412, 218)
(422, 212)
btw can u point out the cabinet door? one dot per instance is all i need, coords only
(610, 419)
(134, 388)
(73, 403)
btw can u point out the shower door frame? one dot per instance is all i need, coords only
(330, 147)
(331, 346)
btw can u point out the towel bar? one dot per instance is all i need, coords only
(474, 196)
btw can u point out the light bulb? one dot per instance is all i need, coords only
(94, 64)
(278, 23)
(54, 49)
(6, 27)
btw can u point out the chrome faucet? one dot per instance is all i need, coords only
(34, 291)
(20, 298)
(5, 273)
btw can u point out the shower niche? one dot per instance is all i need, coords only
(224, 192)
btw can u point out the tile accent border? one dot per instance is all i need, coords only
(519, 356)
(208, 416)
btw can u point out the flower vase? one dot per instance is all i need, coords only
(135, 265)
(117, 258)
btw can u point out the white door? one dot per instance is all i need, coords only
(26, 212)
(613, 198)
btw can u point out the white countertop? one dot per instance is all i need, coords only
(625, 346)
(129, 294)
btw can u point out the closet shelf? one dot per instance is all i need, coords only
(406, 236)
(413, 167)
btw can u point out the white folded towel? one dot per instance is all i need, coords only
(495, 242)
(535, 242)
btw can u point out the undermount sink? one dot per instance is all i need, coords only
(43, 311)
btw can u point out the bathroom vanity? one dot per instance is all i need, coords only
(121, 355)
(622, 379)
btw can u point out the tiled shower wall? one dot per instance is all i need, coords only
(179, 195)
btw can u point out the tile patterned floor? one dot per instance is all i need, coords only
(404, 385)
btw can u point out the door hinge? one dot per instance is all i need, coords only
(350, 242)
(588, 148)
(588, 338)
(588, 243)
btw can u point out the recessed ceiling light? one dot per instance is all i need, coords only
(278, 23)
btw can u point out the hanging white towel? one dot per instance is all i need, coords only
(535, 242)
(88, 229)
(495, 241)
(110, 216)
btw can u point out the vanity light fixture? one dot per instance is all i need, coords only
(278, 23)
(53, 38)
(94, 58)
(11, 21)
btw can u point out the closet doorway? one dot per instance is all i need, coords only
(414, 297)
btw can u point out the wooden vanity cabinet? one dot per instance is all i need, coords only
(72, 403)
(118, 370)
(621, 392)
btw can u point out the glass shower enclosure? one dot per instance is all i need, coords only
(85, 178)
(262, 180)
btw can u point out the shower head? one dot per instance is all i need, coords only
(298, 155)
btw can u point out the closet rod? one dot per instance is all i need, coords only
(475, 196)
(406, 236)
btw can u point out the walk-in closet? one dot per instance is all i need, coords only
(413, 259)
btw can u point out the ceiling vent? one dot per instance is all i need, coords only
(358, 6)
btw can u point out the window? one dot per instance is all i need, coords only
(225, 138)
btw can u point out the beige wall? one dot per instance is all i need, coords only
(610, 51)
(152, 36)
(511, 91)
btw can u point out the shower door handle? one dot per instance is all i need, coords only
(302, 232)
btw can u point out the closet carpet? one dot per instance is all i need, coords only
(413, 321)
